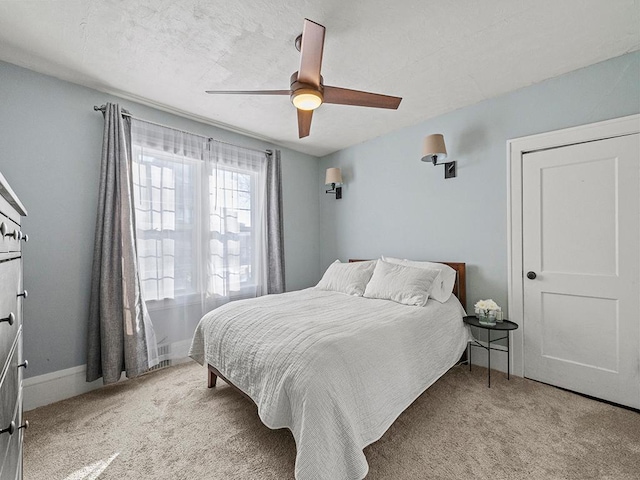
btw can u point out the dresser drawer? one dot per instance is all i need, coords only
(12, 463)
(9, 395)
(10, 235)
(10, 305)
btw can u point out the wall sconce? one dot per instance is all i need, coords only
(434, 150)
(333, 178)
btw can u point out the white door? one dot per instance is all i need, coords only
(581, 240)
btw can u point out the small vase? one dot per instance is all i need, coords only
(487, 317)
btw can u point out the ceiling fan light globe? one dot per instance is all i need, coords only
(306, 99)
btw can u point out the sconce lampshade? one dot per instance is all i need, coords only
(434, 149)
(334, 175)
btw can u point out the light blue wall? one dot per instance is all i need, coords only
(392, 204)
(396, 205)
(50, 142)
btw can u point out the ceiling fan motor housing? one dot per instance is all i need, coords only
(295, 84)
(300, 89)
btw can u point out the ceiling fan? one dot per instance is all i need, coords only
(307, 90)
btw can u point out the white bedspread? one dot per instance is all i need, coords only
(337, 370)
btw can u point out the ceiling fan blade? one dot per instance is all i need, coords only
(250, 92)
(344, 96)
(311, 53)
(304, 122)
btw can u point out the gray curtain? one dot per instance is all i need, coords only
(121, 336)
(275, 236)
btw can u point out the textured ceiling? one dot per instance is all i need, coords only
(438, 55)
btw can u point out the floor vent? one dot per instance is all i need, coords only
(163, 355)
(162, 364)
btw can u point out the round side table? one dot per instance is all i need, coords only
(504, 326)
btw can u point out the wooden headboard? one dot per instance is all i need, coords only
(459, 288)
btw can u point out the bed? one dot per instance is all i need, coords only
(335, 369)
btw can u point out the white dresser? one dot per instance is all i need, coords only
(12, 364)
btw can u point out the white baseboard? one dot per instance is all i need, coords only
(62, 384)
(55, 386)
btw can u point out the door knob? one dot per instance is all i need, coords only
(531, 275)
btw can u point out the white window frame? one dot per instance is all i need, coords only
(192, 298)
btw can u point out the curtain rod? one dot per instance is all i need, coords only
(102, 109)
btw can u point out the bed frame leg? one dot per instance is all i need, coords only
(212, 379)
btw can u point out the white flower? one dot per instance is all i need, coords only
(487, 305)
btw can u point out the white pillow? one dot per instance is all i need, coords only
(442, 286)
(349, 278)
(401, 283)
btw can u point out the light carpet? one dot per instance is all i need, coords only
(169, 425)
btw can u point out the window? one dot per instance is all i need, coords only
(165, 196)
(230, 229)
(198, 218)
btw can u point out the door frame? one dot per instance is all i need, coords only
(516, 148)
